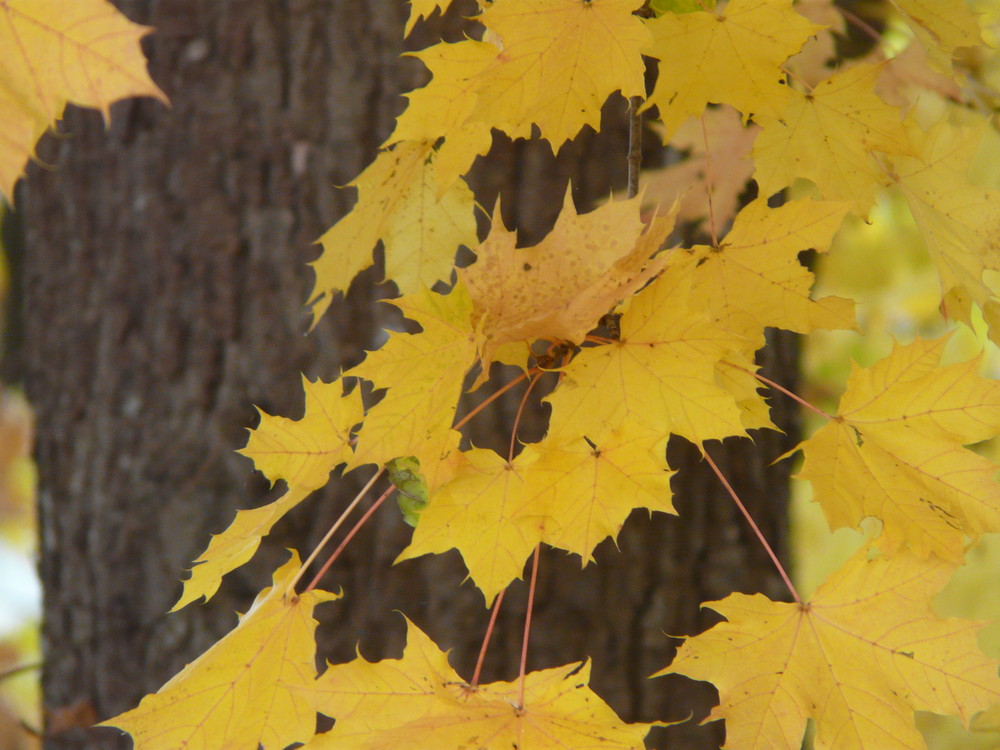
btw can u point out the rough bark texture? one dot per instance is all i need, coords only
(165, 277)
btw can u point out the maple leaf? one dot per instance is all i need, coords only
(827, 136)
(559, 61)
(246, 690)
(303, 452)
(479, 513)
(894, 451)
(707, 184)
(399, 204)
(559, 288)
(582, 491)
(423, 9)
(423, 374)
(85, 52)
(732, 56)
(235, 546)
(753, 279)
(433, 707)
(659, 375)
(550, 63)
(859, 658)
(960, 221)
(942, 26)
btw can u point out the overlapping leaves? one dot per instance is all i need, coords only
(866, 651)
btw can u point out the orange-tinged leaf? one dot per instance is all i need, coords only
(730, 56)
(560, 288)
(432, 707)
(399, 204)
(659, 375)
(858, 659)
(960, 221)
(235, 546)
(583, 490)
(708, 183)
(895, 452)
(827, 136)
(558, 63)
(303, 452)
(754, 278)
(246, 690)
(478, 513)
(423, 374)
(54, 52)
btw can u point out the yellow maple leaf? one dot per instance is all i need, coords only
(753, 279)
(445, 105)
(235, 546)
(731, 56)
(423, 374)
(827, 136)
(559, 289)
(432, 707)
(559, 61)
(423, 9)
(85, 52)
(303, 452)
(247, 689)
(894, 451)
(659, 375)
(479, 513)
(960, 221)
(582, 491)
(399, 204)
(858, 659)
(942, 26)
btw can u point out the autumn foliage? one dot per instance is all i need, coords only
(645, 342)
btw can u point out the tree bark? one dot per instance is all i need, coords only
(164, 280)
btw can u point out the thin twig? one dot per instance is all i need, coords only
(634, 144)
(520, 411)
(753, 525)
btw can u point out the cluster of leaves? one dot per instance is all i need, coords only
(676, 358)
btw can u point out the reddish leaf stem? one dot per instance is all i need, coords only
(768, 382)
(753, 525)
(527, 628)
(350, 535)
(333, 529)
(520, 410)
(492, 397)
(486, 638)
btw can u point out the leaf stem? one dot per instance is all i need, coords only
(520, 410)
(708, 183)
(527, 628)
(768, 382)
(486, 638)
(333, 529)
(753, 525)
(492, 397)
(350, 535)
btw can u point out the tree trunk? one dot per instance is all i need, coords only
(164, 280)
